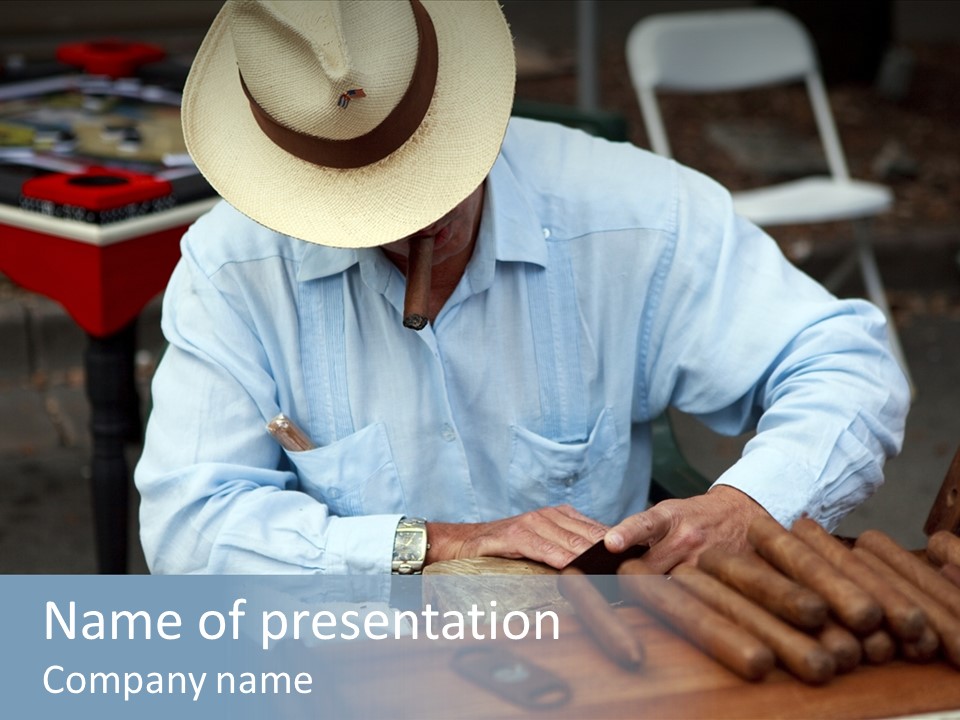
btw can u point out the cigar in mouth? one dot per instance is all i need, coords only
(416, 301)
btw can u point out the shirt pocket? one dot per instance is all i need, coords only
(587, 475)
(355, 475)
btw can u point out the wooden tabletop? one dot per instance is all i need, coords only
(414, 678)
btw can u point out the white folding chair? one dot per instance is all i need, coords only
(733, 50)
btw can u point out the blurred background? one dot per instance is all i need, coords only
(892, 70)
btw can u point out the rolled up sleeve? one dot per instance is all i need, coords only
(217, 492)
(744, 338)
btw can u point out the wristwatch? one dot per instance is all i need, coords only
(410, 546)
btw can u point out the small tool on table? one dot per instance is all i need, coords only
(512, 677)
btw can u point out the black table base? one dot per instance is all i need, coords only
(115, 422)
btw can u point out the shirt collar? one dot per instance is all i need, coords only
(319, 261)
(510, 219)
(510, 231)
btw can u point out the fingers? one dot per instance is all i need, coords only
(553, 535)
(643, 528)
(523, 539)
(574, 514)
(679, 547)
(661, 528)
(558, 534)
(676, 531)
(575, 522)
(558, 555)
(679, 530)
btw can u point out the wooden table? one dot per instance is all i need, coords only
(413, 678)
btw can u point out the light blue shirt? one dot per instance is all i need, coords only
(606, 285)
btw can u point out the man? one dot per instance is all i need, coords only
(574, 290)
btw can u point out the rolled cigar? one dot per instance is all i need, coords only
(854, 607)
(904, 618)
(600, 620)
(842, 644)
(416, 301)
(732, 646)
(944, 624)
(912, 568)
(758, 580)
(878, 647)
(952, 573)
(923, 648)
(799, 653)
(289, 434)
(944, 547)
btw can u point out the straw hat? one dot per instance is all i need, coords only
(350, 123)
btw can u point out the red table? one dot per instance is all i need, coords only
(103, 275)
(95, 192)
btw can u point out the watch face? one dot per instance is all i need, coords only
(409, 546)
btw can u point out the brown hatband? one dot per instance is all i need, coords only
(385, 138)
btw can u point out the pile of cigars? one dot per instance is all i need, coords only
(801, 597)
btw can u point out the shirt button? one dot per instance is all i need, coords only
(546, 232)
(570, 479)
(448, 433)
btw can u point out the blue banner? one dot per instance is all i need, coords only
(179, 647)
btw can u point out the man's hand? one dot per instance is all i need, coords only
(552, 535)
(679, 530)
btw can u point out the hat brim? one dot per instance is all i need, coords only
(440, 165)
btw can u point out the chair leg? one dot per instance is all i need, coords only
(835, 279)
(878, 295)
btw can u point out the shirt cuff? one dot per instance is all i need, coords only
(361, 545)
(781, 486)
